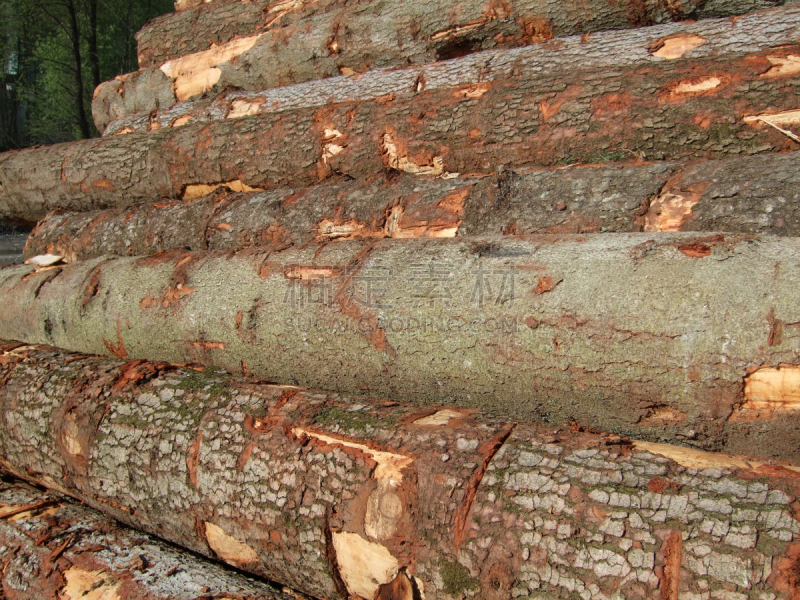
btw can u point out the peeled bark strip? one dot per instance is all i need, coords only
(679, 109)
(242, 65)
(63, 551)
(651, 336)
(357, 498)
(757, 194)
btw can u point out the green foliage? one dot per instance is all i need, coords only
(53, 53)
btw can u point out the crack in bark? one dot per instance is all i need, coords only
(488, 450)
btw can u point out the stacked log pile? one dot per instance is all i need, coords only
(541, 257)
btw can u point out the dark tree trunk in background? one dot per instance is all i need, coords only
(75, 39)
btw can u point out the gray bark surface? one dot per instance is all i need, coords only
(252, 72)
(60, 550)
(757, 194)
(352, 497)
(532, 118)
(655, 336)
(392, 32)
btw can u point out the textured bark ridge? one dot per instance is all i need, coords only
(674, 109)
(242, 66)
(363, 499)
(325, 36)
(54, 549)
(665, 337)
(757, 194)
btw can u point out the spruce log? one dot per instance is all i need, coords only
(54, 549)
(249, 66)
(675, 109)
(366, 499)
(757, 194)
(669, 336)
(384, 32)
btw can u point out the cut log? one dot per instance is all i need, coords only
(674, 109)
(250, 64)
(333, 35)
(654, 336)
(758, 194)
(53, 549)
(354, 498)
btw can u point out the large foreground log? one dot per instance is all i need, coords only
(356, 498)
(672, 336)
(673, 109)
(757, 194)
(157, 90)
(53, 549)
(383, 32)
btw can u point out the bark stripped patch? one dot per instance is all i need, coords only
(384, 505)
(198, 190)
(699, 459)
(787, 572)
(773, 388)
(228, 548)
(782, 66)
(671, 568)
(695, 250)
(704, 85)
(244, 107)
(675, 46)
(364, 566)
(670, 210)
(440, 418)
(396, 157)
(197, 73)
(89, 585)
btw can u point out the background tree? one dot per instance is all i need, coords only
(53, 54)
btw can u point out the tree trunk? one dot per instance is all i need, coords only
(94, 58)
(366, 499)
(532, 118)
(258, 63)
(756, 194)
(662, 337)
(59, 550)
(386, 32)
(75, 39)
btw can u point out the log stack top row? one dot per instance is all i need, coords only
(543, 256)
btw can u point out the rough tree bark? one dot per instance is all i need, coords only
(757, 194)
(357, 498)
(663, 337)
(681, 108)
(54, 549)
(243, 65)
(386, 32)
